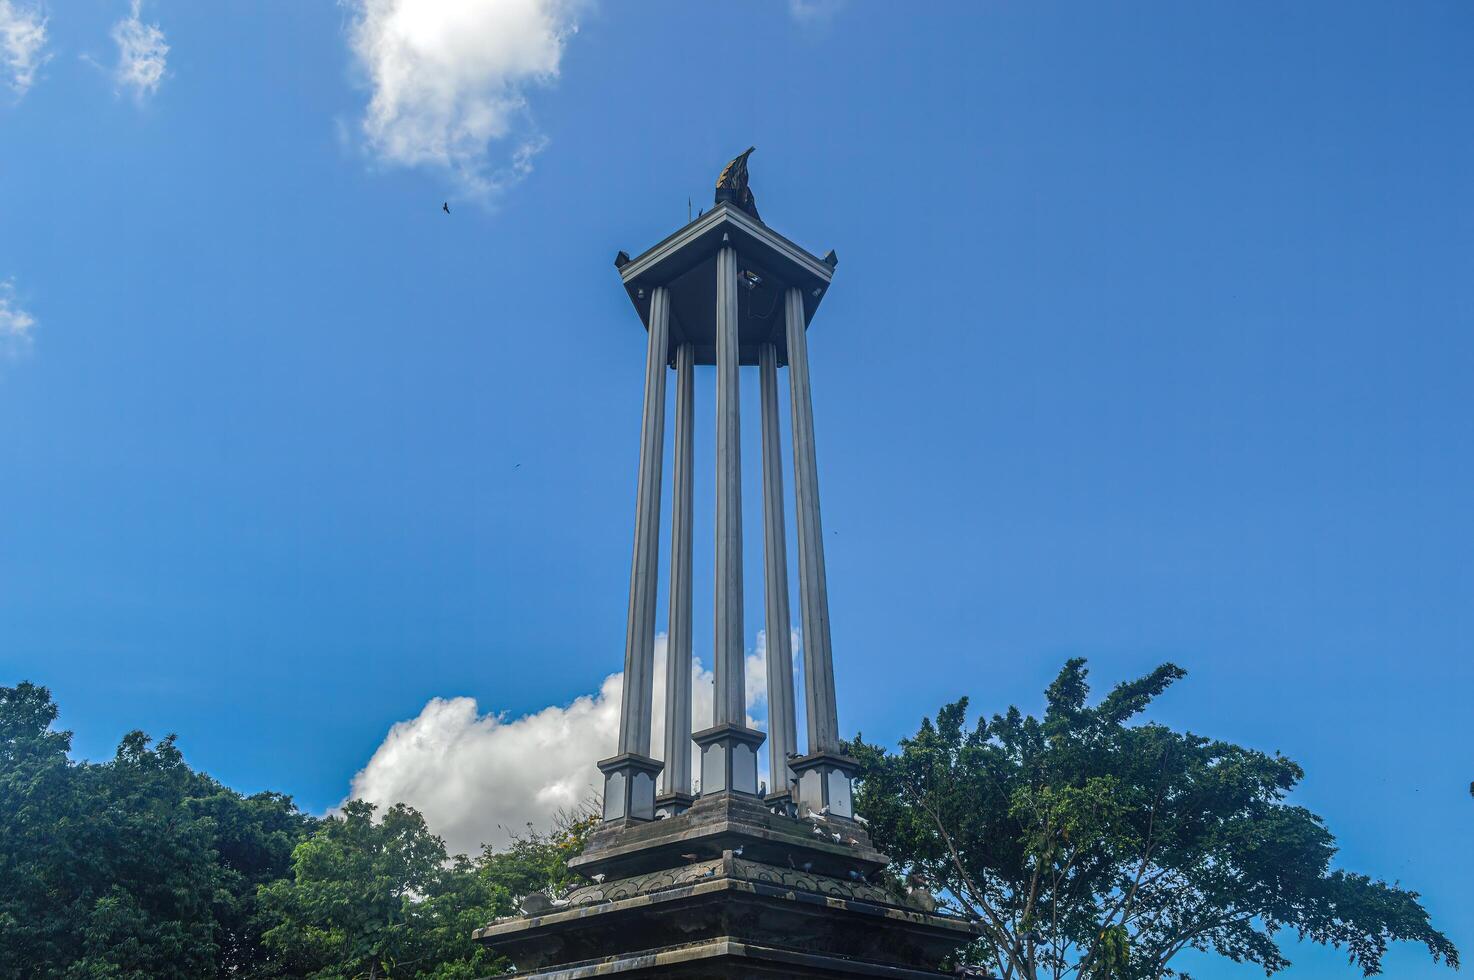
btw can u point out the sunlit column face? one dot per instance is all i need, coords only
(839, 794)
(642, 796)
(614, 795)
(744, 768)
(713, 769)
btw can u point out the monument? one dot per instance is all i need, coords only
(718, 879)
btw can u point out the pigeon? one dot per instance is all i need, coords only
(537, 903)
(807, 866)
(838, 838)
(855, 875)
(445, 207)
(737, 852)
(599, 878)
(690, 857)
(762, 789)
(818, 831)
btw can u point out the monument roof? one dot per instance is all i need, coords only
(685, 263)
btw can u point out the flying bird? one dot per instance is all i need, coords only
(445, 207)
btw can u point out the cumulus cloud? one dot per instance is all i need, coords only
(15, 323)
(142, 53)
(449, 80)
(22, 43)
(479, 776)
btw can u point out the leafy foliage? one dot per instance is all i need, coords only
(1087, 846)
(135, 868)
(379, 899)
(141, 868)
(382, 899)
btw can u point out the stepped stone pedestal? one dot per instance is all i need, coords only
(729, 889)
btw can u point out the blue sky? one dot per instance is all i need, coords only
(1151, 339)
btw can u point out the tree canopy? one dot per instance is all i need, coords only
(1087, 846)
(141, 868)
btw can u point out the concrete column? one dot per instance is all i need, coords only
(782, 731)
(813, 592)
(678, 640)
(731, 707)
(639, 645)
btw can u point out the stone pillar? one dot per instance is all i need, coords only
(729, 747)
(782, 732)
(629, 777)
(824, 775)
(731, 707)
(676, 789)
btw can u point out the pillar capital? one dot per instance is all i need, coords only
(728, 758)
(825, 783)
(629, 786)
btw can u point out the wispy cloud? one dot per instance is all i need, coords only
(449, 80)
(472, 773)
(814, 11)
(143, 54)
(22, 44)
(15, 323)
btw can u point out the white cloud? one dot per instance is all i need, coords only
(449, 80)
(15, 323)
(22, 38)
(476, 777)
(142, 53)
(814, 11)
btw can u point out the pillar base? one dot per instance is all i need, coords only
(673, 804)
(825, 783)
(728, 759)
(629, 786)
(782, 804)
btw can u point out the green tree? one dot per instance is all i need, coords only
(141, 868)
(537, 861)
(380, 898)
(138, 867)
(253, 844)
(1089, 847)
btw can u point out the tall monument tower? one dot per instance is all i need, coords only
(728, 882)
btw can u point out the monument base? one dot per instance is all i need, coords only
(730, 889)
